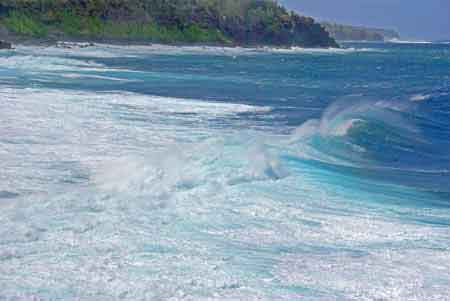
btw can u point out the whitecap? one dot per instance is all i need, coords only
(34, 59)
(95, 51)
(300, 50)
(420, 97)
(93, 76)
(397, 41)
(329, 139)
(43, 63)
(205, 166)
(226, 50)
(151, 104)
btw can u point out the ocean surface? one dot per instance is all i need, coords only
(202, 173)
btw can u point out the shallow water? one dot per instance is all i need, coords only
(158, 172)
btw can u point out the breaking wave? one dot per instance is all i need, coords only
(227, 51)
(354, 131)
(210, 165)
(169, 193)
(151, 104)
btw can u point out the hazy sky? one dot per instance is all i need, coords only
(419, 19)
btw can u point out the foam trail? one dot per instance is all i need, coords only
(92, 76)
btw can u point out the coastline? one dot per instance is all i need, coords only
(252, 24)
(76, 42)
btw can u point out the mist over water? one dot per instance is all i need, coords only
(158, 172)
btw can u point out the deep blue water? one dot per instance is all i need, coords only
(156, 172)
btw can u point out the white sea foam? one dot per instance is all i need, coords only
(79, 124)
(68, 59)
(227, 51)
(76, 52)
(34, 59)
(300, 50)
(409, 41)
(115, 195)
(382, 274)
(420, 97)
(43, 63)
(149, 103)
(181, 168)
(140, 50)
(93, 76)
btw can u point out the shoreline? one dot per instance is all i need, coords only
(53, 41)
(83, 44)
(76, 43)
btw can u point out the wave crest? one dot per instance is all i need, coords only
(211, 165)
(353, 130)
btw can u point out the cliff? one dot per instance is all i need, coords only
(357, 33)
(230, 22)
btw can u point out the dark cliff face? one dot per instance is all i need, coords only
(267, 23)
(238, 22)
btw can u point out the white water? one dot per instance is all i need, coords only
(119, 195)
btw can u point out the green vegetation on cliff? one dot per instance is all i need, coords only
(233, 22)
(357, 33)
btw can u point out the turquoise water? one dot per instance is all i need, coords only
(201, 173)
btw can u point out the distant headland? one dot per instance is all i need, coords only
(211, 22)
(359, 33)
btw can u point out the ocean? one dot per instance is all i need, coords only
(207, 173)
